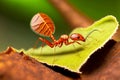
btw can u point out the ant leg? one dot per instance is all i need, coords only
(42, 46)
(73, 45)
(78, 43)
(68, 43)
(35, 45)
(60, 45)
(47, 42)
(54, 56)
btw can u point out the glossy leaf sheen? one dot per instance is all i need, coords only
(73, 57)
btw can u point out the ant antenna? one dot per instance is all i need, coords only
(90, 33)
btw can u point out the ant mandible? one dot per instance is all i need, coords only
(43, 25)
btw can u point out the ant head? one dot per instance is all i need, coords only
(77, 37)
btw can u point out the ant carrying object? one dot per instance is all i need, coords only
(43, 25)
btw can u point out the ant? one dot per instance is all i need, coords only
(43, 25)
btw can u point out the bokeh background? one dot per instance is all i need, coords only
(15, 16)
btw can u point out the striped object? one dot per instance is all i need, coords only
(42, 24)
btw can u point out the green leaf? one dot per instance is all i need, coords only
(73, 56)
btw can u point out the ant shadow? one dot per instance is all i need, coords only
(65, 52)
(62, 70)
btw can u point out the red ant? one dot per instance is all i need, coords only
(43, 25)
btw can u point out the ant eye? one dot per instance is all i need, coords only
(78, 37)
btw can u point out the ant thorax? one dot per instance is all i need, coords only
(64, 37)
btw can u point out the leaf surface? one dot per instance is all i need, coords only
(73, 56)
